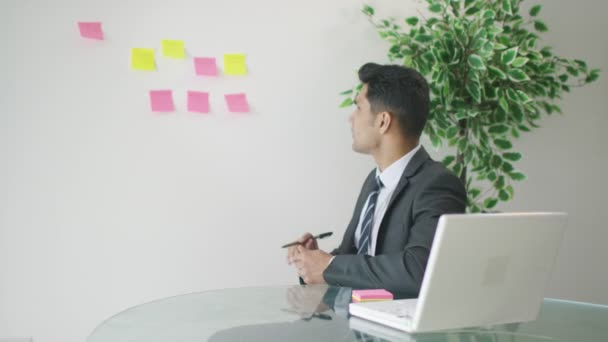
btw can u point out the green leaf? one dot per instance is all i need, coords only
(512, 156)
(412, 21)
(540, 26)
(534, 10)
(503, 144)
(474, 192)
(506, 6)
(347, 102)
(448, 160)
(517, 176)
(523, 96)
(476, 62)
(557, 109)
(368, 10)
(572, 71)
(457, 168)
(346, 92)
(503, 195)
(429, 57)
(508, 56)
(497, 72)
(406, 51)
(498, 129)
(500, 115)
(514, 132)
(490, 203)
(472, 10)
(435, 8)
(487, 49)
(407, 61)
(518, 113)
(502, 102)
(473, 90)
(507, 167)
(517, 75)
(423, 38)
(451, 132)
(435, 141)
(489, 14)
(512, 95)
(563, 77)
(581, 64)
(441, 133)
(462, 144)
(519, 62)
(500, 182)
(491, 93)
(592, 77)
(523, 128)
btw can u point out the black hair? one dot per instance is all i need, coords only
(400, 91)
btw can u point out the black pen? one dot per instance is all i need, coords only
(320, 236)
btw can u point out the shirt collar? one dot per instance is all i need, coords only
(391, 175)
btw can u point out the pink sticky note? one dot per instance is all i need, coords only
(371, 295)
(237, 103)
(161, 101)
(205, 66)
(91, 30)
(198, 101)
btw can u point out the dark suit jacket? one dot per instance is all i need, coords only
(426, 191)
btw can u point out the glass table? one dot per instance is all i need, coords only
(320, 313)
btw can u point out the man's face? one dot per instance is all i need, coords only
(366, 135)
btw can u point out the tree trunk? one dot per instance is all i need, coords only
(463, 132)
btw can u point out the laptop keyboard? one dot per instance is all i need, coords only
(400, 312)
(399, 309)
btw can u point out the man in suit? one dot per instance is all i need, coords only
(387, 243)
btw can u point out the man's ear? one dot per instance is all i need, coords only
(386, 120)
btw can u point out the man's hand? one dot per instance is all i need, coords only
(306, 241)
(311, 264)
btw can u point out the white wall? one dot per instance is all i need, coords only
(566, 160)
(104, 205)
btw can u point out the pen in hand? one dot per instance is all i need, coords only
(316, 237)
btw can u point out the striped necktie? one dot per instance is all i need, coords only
(368, 219)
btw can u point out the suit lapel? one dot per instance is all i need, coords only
(417, 160)
(412, 167)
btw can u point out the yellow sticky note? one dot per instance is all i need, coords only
(142, 59)
(234, 64)
(173, 48)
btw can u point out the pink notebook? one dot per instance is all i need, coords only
(371, 295)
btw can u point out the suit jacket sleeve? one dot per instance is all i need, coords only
(402, 272)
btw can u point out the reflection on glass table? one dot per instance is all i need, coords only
(320, 313)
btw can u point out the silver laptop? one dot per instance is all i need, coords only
(484, 269)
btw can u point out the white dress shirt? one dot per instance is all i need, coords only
(390, 178)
